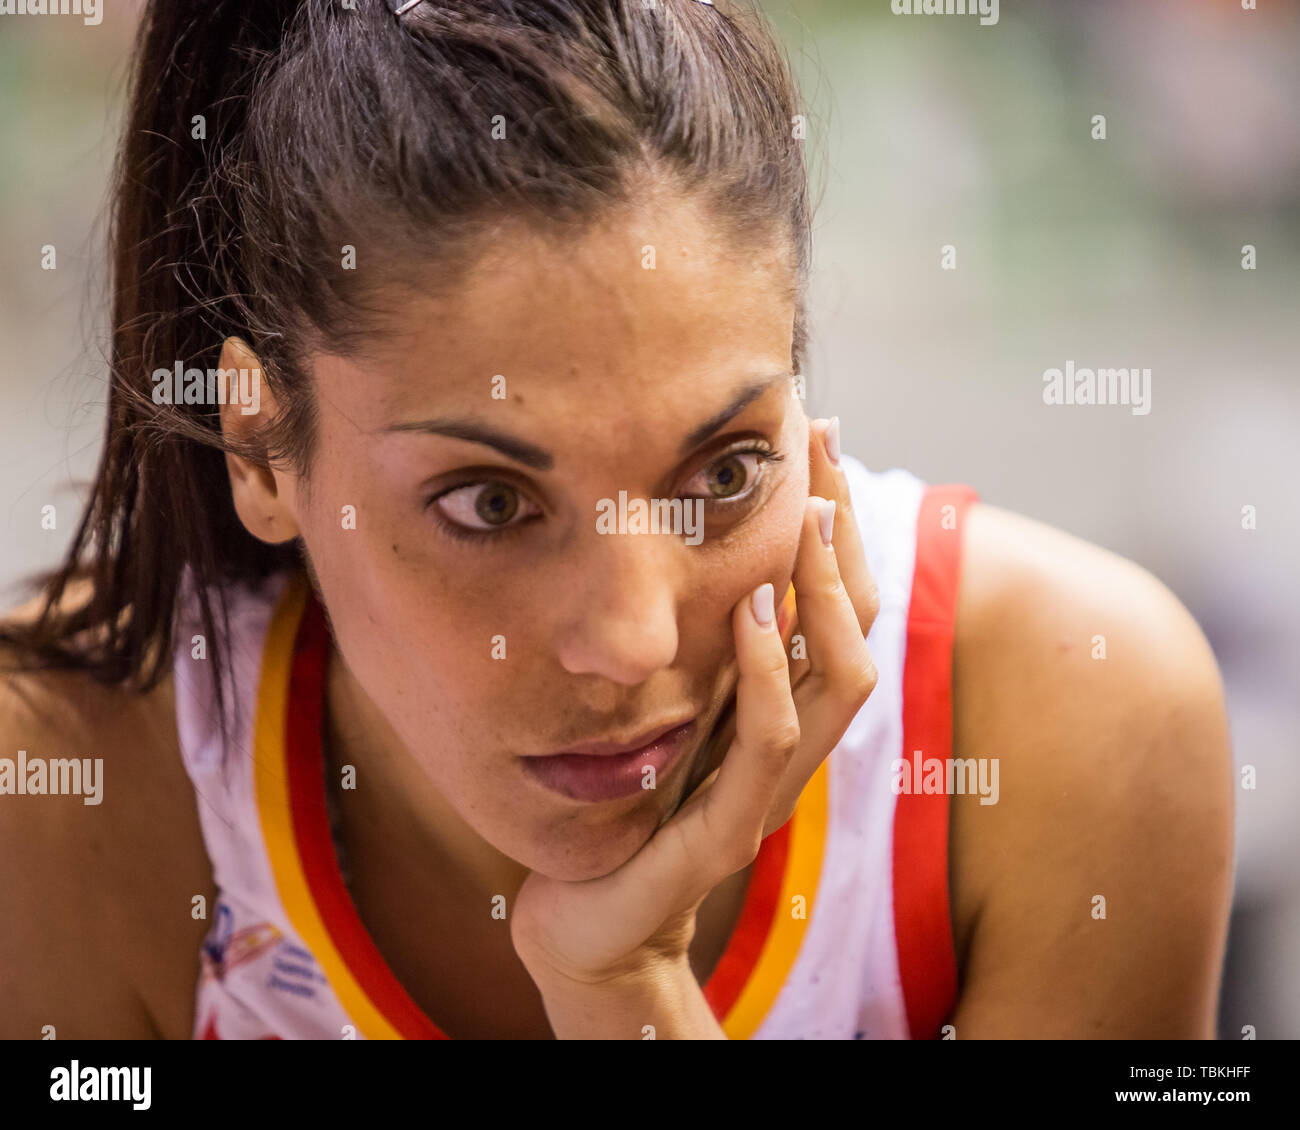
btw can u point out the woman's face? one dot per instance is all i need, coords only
(478, 602)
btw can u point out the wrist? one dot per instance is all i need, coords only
(657, 999)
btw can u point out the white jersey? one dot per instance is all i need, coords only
(845, 931)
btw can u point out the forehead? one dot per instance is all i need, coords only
(650, 306)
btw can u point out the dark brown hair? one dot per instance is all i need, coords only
(265, 135)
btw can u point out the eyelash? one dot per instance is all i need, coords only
(765, 452)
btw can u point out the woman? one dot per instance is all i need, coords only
(410, 726)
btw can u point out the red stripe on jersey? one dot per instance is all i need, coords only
(927, 961)
(312, 834)
(752, 928)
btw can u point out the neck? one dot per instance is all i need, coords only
(395, 814)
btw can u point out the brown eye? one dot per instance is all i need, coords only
(497, 504)
(480, 507)
(728, 477)
(731, 477)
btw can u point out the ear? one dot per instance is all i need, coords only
(264, 497)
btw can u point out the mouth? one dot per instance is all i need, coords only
(607, 770)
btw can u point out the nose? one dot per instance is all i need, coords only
(623, 623)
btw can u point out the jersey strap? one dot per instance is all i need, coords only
(922, 918)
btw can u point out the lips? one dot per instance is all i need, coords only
(605, 749)
(607, 770)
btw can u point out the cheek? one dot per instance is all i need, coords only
(425, 651)
(776, 543)
(766, 551)
(363, 542)
(381, 608)
(431, 680)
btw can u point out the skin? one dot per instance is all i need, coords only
(1115, 776)
(610, 395)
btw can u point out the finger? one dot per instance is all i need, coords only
(841, 673)
(723, 823)
(827, 479)
(724, 728)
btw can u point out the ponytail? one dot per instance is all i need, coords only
(161, 493)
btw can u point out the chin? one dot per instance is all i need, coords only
(573, 852)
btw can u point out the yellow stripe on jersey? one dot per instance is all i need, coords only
(802, 872)
(270, 759)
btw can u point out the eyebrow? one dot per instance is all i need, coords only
(538, 458)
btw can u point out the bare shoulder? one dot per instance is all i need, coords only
(102, 856)
(1092, 898)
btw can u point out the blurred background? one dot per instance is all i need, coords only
(924, 131)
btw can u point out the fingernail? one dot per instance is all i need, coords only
(827, 520)
(833, 441)
(763, 604)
